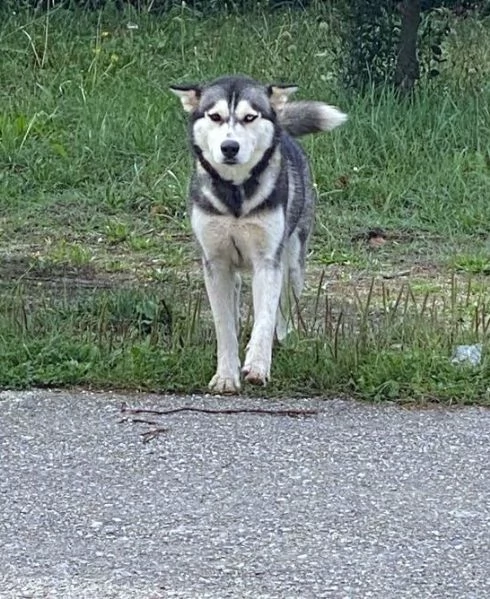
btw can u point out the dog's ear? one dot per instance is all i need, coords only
(189, 95)
(279, 95)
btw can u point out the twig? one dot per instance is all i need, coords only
(291, 413)
(143, 421)
(149, 435)
(395, 275)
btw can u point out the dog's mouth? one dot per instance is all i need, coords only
(230, 161)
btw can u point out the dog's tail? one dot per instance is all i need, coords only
(301, 118)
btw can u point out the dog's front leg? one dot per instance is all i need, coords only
(221, 286)
(266, 290)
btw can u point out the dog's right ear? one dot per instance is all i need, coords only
(189, 95)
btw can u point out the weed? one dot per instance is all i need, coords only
(473, 264)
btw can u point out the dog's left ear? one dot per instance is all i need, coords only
(279, 95)
(189, 95)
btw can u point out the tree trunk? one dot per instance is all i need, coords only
(407, 66)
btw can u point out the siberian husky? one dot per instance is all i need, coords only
(251, 206)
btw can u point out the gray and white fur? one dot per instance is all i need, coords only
(252, 207)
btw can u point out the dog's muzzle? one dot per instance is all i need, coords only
(229, 149)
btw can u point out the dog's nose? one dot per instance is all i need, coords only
(230, 148)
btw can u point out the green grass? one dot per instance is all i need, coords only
(100, 281)
(388, 344)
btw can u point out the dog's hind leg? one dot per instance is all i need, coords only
(223, 293)
(292, 286)
(236, 296)
(284, 312)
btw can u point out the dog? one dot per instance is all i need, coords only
(251, 207)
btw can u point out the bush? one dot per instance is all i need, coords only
(376, 48)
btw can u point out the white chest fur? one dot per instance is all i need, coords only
(240, 241)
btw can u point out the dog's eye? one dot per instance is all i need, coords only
(215, 117)
(248, 118)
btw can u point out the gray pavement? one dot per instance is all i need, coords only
(359, 501)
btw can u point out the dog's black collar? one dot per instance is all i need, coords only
(233, 195)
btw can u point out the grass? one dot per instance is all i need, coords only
(100, 281)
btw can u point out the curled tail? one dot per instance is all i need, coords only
(301, 118)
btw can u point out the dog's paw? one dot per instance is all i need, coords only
(224, 385)
(256, 373)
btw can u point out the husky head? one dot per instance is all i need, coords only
(233, 122)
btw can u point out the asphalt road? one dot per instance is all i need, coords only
(358, 501)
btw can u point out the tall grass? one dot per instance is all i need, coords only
(386, 345)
